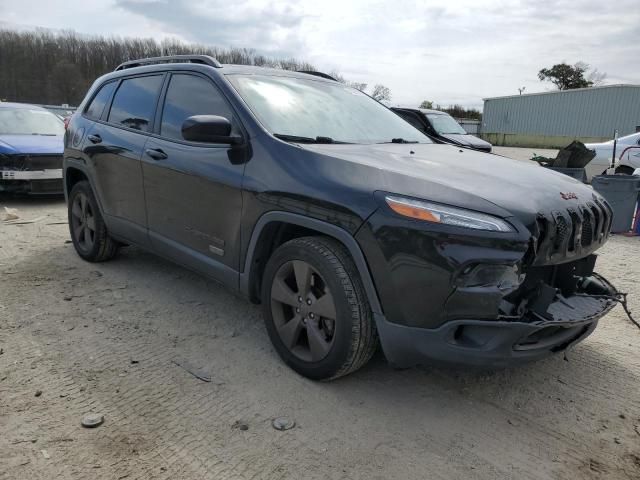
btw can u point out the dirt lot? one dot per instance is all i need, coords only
(104, 338)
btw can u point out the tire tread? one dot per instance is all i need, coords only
(364, 335)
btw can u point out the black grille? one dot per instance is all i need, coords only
(562, 230)
(569, 232)
(586, 236)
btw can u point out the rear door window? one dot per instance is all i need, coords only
(190, 95)
(96, 107)
(135, 102)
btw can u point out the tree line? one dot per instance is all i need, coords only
(56, 68)
(456, 111)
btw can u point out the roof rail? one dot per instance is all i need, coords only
(202, 59)
(318, 74)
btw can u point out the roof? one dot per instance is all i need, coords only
(230, 69)
(553, 92)
(224, 69)
(423, 110)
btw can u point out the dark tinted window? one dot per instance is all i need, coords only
(96, 107)
(135, 102)
(189, 95)
(412, 119)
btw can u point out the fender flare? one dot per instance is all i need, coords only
(325, 228)
(82, 167)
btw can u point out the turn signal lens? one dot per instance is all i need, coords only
(436, 213)
(414, 212)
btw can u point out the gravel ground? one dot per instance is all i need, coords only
(106, 338)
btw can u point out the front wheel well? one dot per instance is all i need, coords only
(271, 237)
(73, 176)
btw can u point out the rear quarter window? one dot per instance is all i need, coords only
(100, 100)
(135, 101)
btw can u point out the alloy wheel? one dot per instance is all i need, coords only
(83, 222)
(303, 310)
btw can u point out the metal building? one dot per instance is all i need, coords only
(554, 119)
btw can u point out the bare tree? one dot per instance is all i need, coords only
(44, 67)
(426, 104)
(380, 93)
(596, 77)
(358, 86)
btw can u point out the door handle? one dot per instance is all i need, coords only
(156, 153)
(95, 138)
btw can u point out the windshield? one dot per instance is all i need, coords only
(630, 139)
(26, 121)
(445, 124)
(325, 112)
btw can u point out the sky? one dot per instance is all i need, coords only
(459, 51)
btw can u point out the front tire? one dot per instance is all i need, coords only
(316, 310)
(86, 225)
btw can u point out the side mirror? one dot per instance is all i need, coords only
(208, 129)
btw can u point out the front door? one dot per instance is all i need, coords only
(193, 190)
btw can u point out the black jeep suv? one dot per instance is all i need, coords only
(346, 223)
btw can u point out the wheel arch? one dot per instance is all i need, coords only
(75, 172)
(73, 175)
(275, 228)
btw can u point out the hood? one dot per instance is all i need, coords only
(465, 178)
(31, 144)
(467, 140)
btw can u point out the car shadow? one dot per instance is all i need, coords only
(14, 200)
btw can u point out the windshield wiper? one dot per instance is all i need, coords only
(298, 139)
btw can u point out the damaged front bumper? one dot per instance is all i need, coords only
(485, 300)
(495, 343)
(31, 173)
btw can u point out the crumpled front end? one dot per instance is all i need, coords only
(486, 299)
(31, 173)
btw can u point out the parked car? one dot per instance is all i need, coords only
(31, 145)
(441, 128)
(627, 158)
(346, 223)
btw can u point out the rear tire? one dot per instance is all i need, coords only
(307, 281)
(86, 225)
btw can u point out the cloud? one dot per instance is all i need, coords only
(270, 27)
(448, 52)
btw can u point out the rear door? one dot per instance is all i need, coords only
(193, 190)
(114, 145)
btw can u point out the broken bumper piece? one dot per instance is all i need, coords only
(31, 181)
(32, 175)
(503, 342)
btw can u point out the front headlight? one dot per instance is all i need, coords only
(433, 212)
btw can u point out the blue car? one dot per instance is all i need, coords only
(31, 145)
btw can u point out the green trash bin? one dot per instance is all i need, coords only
(621, 191)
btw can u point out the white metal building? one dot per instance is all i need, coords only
(554, 119)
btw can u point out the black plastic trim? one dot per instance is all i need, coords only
(326, 228)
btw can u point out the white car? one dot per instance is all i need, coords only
(627, 155)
